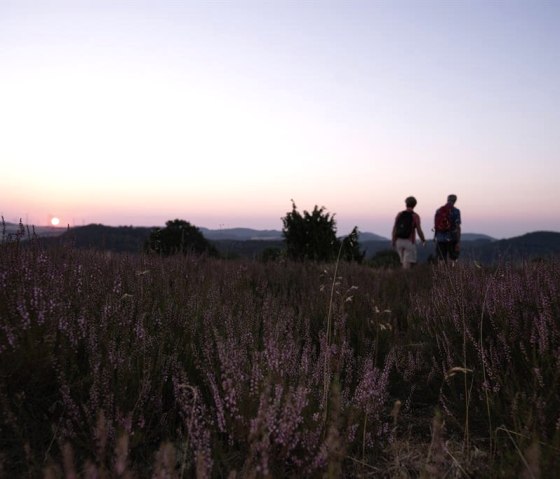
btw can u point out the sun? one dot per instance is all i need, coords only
(55, 221)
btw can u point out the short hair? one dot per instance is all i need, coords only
(410, 202)
(452, 198)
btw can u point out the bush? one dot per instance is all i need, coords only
(179, 236)
(312, 236)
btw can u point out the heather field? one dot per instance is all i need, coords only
(192, 367)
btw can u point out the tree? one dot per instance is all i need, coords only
(312, 236)
(351, 247)
(179, 236)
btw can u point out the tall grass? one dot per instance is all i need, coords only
(497, 351)
(140, 366)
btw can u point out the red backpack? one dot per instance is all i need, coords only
(442, 222)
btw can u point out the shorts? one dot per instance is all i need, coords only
(406, 250)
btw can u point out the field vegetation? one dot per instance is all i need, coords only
(135, 365)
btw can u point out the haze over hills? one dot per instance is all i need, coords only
(43, 231)
(247, 242)
(238, 234)
(244, 234)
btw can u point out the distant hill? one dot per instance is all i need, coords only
(476, 237)
(484, 249)
(371, 237)
(240, 234)
(43, 231)
(535, 245)
(245, 234)
(122, 239)
(247, 242)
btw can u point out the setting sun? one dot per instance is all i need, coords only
(55, 221)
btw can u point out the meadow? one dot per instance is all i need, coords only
(115, 365)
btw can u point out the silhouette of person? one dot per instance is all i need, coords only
(447, 227)
(407, 223)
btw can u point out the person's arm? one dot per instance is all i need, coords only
(458, 236)
(458, 231)
(419, 230)
(421, 234)
(394, 232)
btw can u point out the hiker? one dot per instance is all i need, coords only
(407, 223)
(447, 228)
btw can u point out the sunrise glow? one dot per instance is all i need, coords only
(222, 112)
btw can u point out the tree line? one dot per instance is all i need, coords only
(309, 236)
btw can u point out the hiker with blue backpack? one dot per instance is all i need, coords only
(447, 228)
(407, 223)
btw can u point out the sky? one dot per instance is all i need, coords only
(221, 113)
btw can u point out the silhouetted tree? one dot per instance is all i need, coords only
(312, 236)
(179, 236)
(351, 247)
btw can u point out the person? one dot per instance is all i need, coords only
(407, 223)
(447, 227)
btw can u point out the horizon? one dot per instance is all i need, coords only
(221, 113)
(343, 228)
(224, 228)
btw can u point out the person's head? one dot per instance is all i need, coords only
(451, 199)
(410, 202)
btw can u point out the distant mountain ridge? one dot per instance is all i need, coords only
(248, 234)
(238, 234)
(476, 237)
(482, 248)
(535, 245)
(247, 242)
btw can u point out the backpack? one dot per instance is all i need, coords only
(404, 225)
(442, 222)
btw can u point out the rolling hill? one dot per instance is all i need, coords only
(247, 242)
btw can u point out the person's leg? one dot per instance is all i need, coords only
(453, 251)
(399, 246)
(409, 259)
(441, 251)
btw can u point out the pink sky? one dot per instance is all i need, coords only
(134, 113)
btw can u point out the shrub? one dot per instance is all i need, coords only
(310, 236)
(179, 236)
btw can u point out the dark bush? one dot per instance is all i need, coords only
(179, 237)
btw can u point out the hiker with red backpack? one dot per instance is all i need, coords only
(447, 228)
(407, 223)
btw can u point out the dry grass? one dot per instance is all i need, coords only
(134, 366)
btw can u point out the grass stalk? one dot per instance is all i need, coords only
(510, 435)
(326, 378)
